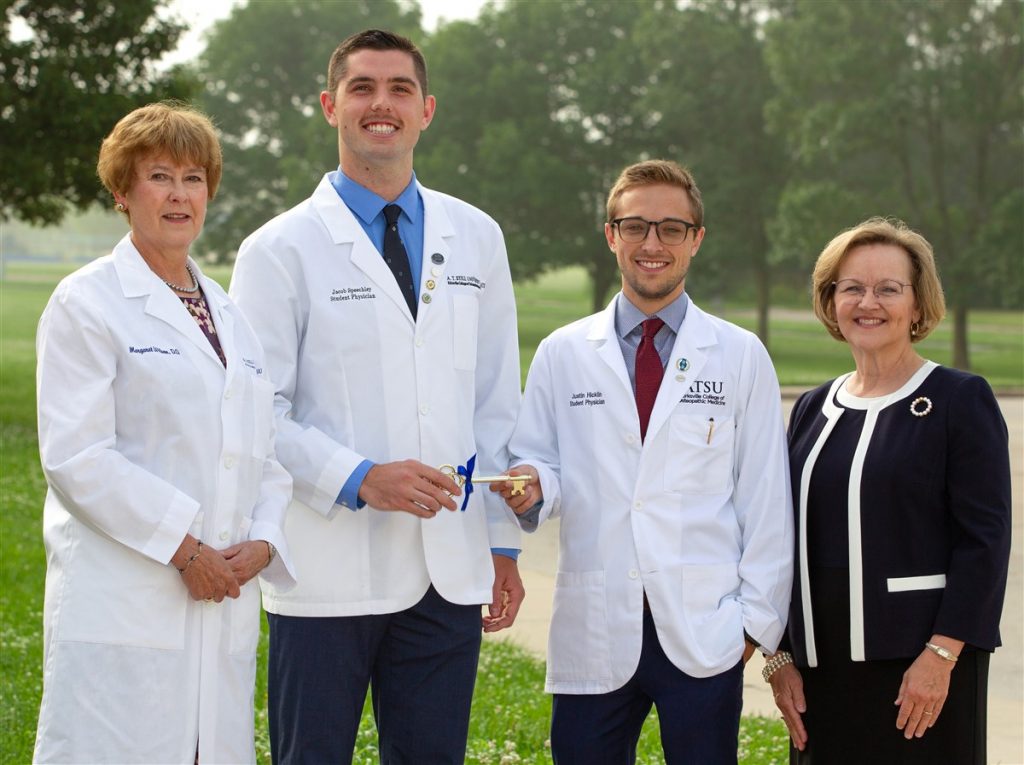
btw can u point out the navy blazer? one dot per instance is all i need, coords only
(934, 510)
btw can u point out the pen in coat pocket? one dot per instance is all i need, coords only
(711, 427)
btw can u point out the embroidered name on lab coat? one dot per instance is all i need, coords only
(456, 280)
(154, 349)
(352, 293)
(589, 398)
(252, 365)
(705, 392)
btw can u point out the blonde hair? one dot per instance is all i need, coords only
(924, 276)
(652, 172)
(168, 127)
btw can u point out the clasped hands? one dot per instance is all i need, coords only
(211, 574)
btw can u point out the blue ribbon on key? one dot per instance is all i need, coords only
(467, 474)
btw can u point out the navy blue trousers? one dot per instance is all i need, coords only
(700, 717)
(419, 663)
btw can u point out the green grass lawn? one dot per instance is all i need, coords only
(510, 714)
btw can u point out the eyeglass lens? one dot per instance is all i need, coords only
(887, 289)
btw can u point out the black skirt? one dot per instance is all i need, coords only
(851, 714)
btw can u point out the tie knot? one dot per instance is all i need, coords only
(651, 327)
(391, 213)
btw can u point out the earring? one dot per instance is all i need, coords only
(915, 328)
(120, 207)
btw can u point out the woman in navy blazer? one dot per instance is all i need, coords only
(901, 486)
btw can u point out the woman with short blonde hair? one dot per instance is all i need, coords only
(164, 496)
(901, 486)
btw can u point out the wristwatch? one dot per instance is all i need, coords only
(272, 551)
(749, 638)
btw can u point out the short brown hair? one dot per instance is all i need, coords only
(925, 276)
(170, 127)
(652, 172)
(373, 39)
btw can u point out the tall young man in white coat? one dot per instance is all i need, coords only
(387, 314)
(657, 433)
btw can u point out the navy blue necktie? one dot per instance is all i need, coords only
(397, 258)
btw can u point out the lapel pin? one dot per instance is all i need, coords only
(682, 364)
(921, 406)
(437, 258)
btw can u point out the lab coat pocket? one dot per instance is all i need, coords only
(262, 416)
(114, 595)
(465, 317)
(699, 459)
(713, 611)
(579, 627)
(245, 620)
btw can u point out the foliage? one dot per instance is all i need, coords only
(906, 109)
(542, 130)
(705, 102)
(85, 65)
(263, 69)
(566, 94)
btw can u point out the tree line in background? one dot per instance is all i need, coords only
(798, 117)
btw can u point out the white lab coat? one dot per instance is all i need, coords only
(704, 526)
(358, 378)
(145, 436)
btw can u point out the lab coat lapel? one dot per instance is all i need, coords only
(222, 320)
(438, 236)
(684, 365)
(344, 229)
(605, 342)
(138, 280)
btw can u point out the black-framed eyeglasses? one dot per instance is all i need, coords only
(851, 289)
(671, 231)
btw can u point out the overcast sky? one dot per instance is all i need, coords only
(202, 13)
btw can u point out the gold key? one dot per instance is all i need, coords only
(518, 481)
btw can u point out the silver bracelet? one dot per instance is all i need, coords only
(188, 563)
(774, 663)
(945, 653)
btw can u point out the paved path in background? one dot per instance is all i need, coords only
(538, 563)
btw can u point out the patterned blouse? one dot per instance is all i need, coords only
(200, 311)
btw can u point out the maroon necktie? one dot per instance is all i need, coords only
(649, 372)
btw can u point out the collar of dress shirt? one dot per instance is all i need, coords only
(628, 317)
(367, 205)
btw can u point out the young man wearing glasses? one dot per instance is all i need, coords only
(657, 435)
